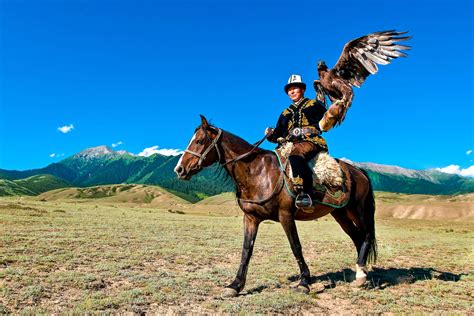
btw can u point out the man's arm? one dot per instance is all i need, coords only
(316, 113)
(280, 130)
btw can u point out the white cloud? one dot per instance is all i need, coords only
(165, 152)
(117, 144)
(66, 128)
(469, 152)
(54, 155)
(346, 160)
(455, 169)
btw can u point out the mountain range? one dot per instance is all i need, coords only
(102, 165)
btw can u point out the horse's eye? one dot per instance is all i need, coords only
(199, 142)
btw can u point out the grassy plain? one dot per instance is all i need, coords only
(88, 256)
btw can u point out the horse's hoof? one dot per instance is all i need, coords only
(359, 282)
(229, 292)
(302, 289)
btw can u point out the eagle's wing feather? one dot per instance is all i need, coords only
(360, 57)
(320, 92)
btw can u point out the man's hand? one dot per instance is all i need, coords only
(269, 131)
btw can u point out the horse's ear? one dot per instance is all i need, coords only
(204, 122)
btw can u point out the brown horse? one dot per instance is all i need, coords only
(261, 196)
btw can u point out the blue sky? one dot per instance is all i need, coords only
(141, 72)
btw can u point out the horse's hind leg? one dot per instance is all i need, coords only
(358, 237)
(366, 218)
(340, 215)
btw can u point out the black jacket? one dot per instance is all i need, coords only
(306, 114)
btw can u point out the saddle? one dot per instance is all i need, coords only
(331, 178)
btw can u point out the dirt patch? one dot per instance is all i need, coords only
(458, 211)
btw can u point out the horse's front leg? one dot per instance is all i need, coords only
(289, 225)
(250, 233)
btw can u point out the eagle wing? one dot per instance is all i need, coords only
(320, 92)
(360, 57)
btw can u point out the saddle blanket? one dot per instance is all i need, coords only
(331, 180)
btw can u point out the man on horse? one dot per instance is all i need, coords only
(299, 124)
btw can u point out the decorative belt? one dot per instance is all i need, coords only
(297, 132)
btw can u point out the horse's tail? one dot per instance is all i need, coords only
(369, 221)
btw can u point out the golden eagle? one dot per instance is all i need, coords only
(358, 60)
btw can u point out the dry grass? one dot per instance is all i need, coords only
(58, 257)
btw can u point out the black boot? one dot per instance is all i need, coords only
(302, 181)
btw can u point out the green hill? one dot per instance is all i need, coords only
(33, 185)
(9, 187)
(440, 183)
(42, 183)
(57, 169)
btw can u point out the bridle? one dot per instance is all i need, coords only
(213, 144)
(202, 156)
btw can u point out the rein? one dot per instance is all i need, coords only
(255, 146)
(213, 144)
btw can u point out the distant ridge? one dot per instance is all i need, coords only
(116, 193)
(33, 185)
(396, 170)
(102, 165)
(401, 180)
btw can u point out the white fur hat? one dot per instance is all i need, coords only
(295, 80)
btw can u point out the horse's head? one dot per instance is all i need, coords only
(201, 152)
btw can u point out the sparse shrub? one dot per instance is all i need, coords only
(125, 187)
(32, 293)
(149, 197)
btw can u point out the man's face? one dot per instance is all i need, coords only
(295, 93)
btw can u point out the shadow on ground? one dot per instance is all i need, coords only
(384, 277)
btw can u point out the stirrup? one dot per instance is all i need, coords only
(303, 200)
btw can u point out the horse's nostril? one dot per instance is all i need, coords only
(179, 170)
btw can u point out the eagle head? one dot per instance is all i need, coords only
(322, 65)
